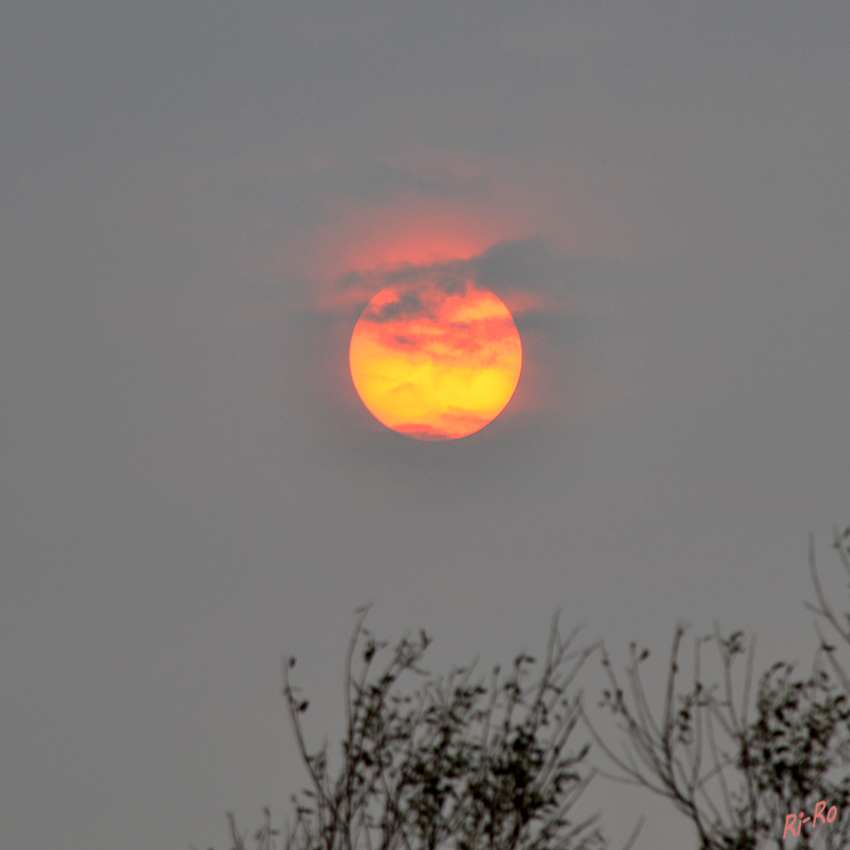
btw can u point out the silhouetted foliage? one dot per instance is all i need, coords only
(737, 779)
(454, 763)
(466, 766)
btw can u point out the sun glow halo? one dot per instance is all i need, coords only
(435, 361)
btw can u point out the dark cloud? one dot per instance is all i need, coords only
(451, 280)
(569, 297)
(409, 306)
(517, 263)
(534, 265)
(528, 265)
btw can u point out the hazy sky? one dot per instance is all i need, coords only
(196, 199)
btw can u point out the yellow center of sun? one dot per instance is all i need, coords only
(434, 362)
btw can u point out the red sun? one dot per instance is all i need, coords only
(435, 360)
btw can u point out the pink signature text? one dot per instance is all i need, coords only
(791, 820)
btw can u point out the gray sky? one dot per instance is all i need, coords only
(191, 193)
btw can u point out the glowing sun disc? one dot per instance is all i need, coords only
(435, 361)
